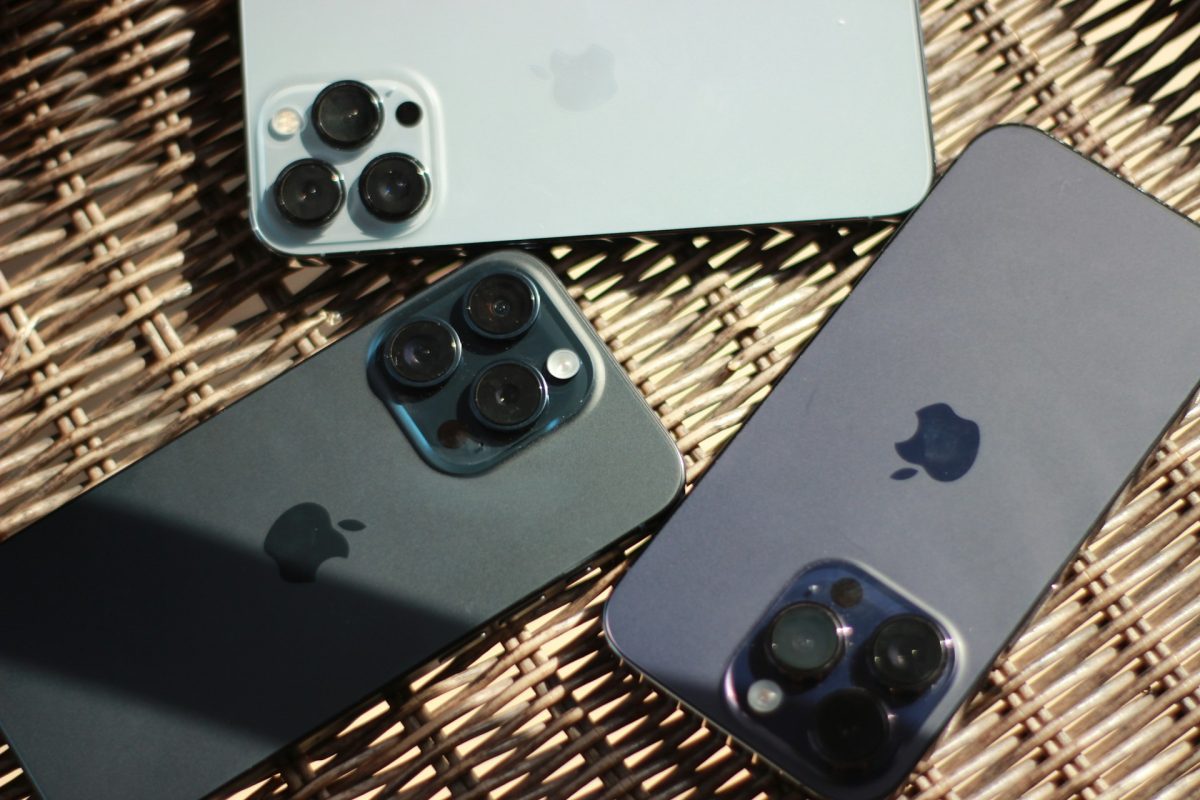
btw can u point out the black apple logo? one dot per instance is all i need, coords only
(303, 538)
(945, 444)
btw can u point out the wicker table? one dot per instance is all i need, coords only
(134, 302)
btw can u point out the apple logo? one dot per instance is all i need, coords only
(303, 538)
(581, 81)
(945, 444)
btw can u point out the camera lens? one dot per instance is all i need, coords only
(502, 305)
(509, 395)
(393, 187)
(347, 114)
(850, 728)
(422, 353)
(408, 114)
(908, 653)
(309, 192)
(805, 640)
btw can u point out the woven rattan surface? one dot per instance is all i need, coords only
(134, 303)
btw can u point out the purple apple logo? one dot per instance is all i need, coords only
(304, 538)
(945, 444)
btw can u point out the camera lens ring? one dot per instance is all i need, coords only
(422, 353)
(509, 395)
(291, 197)
(392, 173)
(908, 653)
(347, 114)
(850, 728)
(516, 291)
(805, 641)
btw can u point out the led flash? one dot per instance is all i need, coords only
(764, 696)
(286, 122)
(563, 364)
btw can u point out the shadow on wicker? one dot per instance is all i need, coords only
(135, 303)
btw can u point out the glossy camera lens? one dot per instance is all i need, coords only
(422, 353)
(502, 305)
(347, 114)
(509, 395)
(850, 728)
(393, 187)
(309, 192)
(805, 640)
(908, 653)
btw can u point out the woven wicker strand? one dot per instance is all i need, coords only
(134, 303)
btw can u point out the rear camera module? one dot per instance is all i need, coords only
(509, 396)
(309, 192)
(502, 305)
(347, 114)
(393, 187)
(850, 729)
(908, 653)
(805, 640)
(422, 353)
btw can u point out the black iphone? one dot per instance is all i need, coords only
(846, 573)
(361, 513)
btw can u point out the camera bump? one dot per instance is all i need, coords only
(840, 672)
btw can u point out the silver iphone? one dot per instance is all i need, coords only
(388, 124)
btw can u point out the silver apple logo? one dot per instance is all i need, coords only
(581, 81)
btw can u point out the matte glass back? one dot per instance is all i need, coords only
(561, 118)
(1037, 295)
(154, 651)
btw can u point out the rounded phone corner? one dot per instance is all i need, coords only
(910, 191)
(606, 623)
(276, 247)
(678, 481)
(1000, 134)
(920, 188)
(261, 235)
(610, 617)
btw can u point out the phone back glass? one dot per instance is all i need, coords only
(560, 118)
(1037, 295)
(153, 650)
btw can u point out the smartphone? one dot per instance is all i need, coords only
(347, 522)
(388, 124)
(846, 573)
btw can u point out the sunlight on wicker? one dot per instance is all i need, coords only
(135, 303)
